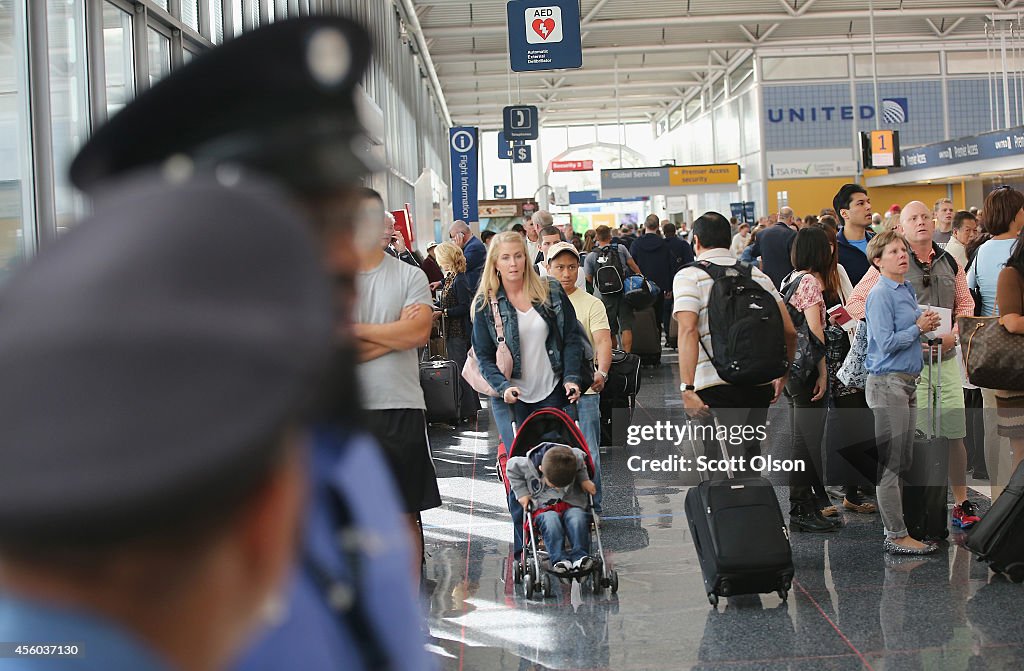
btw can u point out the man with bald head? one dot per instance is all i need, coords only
(938, 281)
(473, 248)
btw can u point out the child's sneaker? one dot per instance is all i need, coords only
(965, 515)
(583, 564)
(561, 567)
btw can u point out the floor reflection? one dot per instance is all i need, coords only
(850, 607)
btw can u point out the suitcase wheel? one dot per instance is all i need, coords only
(713, 599)
(783, 594)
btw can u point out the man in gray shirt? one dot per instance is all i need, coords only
(393, 318)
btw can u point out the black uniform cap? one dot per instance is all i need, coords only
(280, 99)
(150, 358)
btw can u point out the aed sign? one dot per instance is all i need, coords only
(544, 35)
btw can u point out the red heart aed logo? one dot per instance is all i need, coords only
(543, 28)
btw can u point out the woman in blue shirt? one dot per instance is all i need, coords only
(895, 324)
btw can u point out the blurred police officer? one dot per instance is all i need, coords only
(154, 364)
(280, 101)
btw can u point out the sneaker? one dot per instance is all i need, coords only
(583, 564)
(561, 567)
(858, 503)
(965, 515)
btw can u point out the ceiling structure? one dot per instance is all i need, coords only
(655, 54)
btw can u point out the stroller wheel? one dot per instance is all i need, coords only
(614, 581)
(549, 589)
(517, 571)
(713, 600)
(528, 585)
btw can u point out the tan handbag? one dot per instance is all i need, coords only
(502, 356)
(993, 357)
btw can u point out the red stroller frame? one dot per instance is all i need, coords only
(553, 426)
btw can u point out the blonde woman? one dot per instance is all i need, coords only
(456, 299)
(540, 329)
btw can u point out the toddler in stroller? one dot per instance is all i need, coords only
(558, 492)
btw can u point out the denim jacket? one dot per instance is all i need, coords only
(565, 349)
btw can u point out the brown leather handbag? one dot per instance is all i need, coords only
(993, 357)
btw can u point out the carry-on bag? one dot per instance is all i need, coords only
(740, 535)
(441, 380)
(998, 539)
(646, 337)
(925, 509)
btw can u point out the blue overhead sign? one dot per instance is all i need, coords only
(544, 35)
(500, 192)
(522, 154)
(465, 157)
(591, 197)
(505, 146)
(521, 122)
(985, 147)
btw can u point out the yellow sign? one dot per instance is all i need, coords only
(700, 175)
(882, 148)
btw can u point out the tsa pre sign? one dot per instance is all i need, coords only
(544, 35)
(465, 157)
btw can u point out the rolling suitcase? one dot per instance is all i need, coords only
(925, 510)
(740, 535)
(441, 380)
(618, 398)
(998, 539)
(646, 337)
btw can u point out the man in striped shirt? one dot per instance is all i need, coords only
(701, 387)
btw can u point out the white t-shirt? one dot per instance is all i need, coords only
(540, 378)
(390, 382)
(590, 312)
(691, 290)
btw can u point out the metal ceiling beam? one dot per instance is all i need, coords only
(730, 19)
(632, 86)
(918, 42)
(633, 102)
(585, 72)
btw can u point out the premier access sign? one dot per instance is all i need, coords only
(465, 150)
(544, 35)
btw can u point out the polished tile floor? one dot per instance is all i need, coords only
(849, 608)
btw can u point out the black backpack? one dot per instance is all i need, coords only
(608, 279)
(747, 333)
(809, 350)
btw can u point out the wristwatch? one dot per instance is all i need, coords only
(601, 373)
(687, 387)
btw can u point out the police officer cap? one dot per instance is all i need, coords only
(280, 99)
(150, 358)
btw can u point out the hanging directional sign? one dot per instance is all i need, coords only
(544, 35)
(500, 191)
(521, 122)
(504, 148)
(523, 154)
(465, 155)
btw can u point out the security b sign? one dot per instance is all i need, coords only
(544, 25)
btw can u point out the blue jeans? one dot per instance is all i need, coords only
(556, 399)
(575, 523)
(502, 415)
(589, 407)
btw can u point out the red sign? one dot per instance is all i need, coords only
(572, 166)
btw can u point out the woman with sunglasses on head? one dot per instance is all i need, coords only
(1003, 220)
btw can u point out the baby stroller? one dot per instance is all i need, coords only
(551, 425)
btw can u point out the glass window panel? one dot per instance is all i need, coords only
(256, 13)
(971, 63)
(217, 12)
(69, 100)
(804, 67)
(159, 55)
(889, 65)
(190, 13)
(161, 3)
(270, 9)
(118, 58)
(236, 16)
(16, 221)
